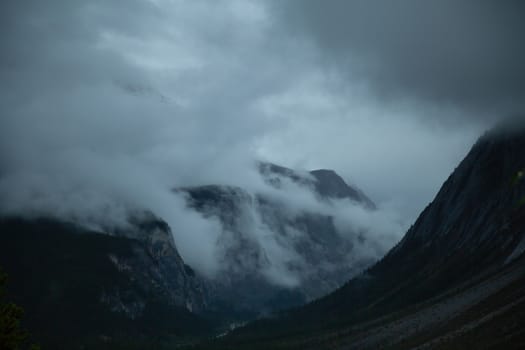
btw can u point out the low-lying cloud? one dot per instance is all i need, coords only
(264, 232)
(105, 107)
(466, 54)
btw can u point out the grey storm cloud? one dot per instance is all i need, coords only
(464, 53)
(105, 106)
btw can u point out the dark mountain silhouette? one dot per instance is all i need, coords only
(130, 288)
(465, 248)
(326, 183)
(81, 287)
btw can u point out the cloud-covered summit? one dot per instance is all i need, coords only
(109, 105)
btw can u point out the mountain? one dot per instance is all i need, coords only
(85, 288)
(330, 184)
(326, 183)
(128, 287)
(458, 272)
(456, 280)
(320, 257)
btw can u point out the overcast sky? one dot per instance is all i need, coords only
(119, 94)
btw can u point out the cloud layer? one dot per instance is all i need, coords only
(461, 53)
(106, 106)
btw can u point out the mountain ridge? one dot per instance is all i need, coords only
(323, 254)
(473, 227)
(140, 273)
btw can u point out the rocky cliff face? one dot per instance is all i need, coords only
(303, 255)
(165, 268)
(78, 285)
(325, 183)
(330, 185)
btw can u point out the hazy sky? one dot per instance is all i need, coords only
(117, 95)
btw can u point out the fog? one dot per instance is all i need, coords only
(106, 107)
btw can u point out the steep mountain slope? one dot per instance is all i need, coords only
(303, 255)
(84, 288)
(104, 285)
(326, 183)
(331, 185)
(472, 231)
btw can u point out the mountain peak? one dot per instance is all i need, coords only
(326, 183)
(330, 184)
(473, 226)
